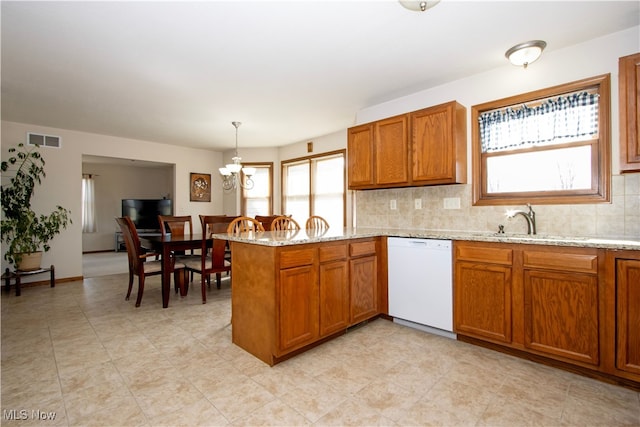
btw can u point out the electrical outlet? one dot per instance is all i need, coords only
(417, 203)
(452, 202)
(392, 205)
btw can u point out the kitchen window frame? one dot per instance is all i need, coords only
(600, 191)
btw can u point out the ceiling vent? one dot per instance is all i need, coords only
(43, 140)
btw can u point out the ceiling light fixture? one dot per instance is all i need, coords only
(525, 53)
(418, 5)
(230, 173)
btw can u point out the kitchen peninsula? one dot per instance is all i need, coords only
(571, 302)
(295, 289)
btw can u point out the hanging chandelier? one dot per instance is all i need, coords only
(231, 177)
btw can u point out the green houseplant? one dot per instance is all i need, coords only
(24, 231)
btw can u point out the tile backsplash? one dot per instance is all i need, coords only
(619, 219)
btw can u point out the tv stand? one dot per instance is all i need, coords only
(119, 241)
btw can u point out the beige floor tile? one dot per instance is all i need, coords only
(237, 399)
(197, 413)
(313, 399)
(509, 413)
(352, 413)
(387, 398)
(274, 413)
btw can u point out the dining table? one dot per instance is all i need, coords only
(165, 245)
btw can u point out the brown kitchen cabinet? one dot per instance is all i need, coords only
(425, 147)
(334, 288)
(439, 145)
(544, 300)
(561, 299)
(623, 312)
(360, 156)
(288, 298)
(363, 274)
(482, 292)
(298, 299)
(629, 86)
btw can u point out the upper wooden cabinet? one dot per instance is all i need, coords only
(425, 147)
(439, 145)
(629, 72)
(360, 156)
(392, 147)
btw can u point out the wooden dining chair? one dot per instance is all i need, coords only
(266, 220)
(284, 222)
(212, 255)
(178, 226)
(222, 219)
(138, 263)
(244, 224)
(317, 223)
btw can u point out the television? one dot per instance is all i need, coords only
(144, 212)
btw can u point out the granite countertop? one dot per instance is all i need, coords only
(296, 237)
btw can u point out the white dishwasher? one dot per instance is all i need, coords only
(420, 283)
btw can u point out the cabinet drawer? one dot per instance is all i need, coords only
(584, 263)
(297, 258)
(485, 254)
(333, 253)
(362, 248)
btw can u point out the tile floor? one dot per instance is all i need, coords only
(84, 354)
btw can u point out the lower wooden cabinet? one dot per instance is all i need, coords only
(298, 306)
(561, 302)
(482, 296)
(541, 299)
(286, 298)
(334, 289)
(567, 306)
(483, 300)
(627, 292)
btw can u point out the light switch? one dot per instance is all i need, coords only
(392, 205)
(417, 203)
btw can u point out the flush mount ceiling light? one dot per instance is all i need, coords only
(230, 173)
(525, 53)
(417, 5)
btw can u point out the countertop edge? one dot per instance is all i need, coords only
(299, 237)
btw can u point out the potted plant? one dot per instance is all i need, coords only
(23, 231)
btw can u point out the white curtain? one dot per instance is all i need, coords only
(88, 204)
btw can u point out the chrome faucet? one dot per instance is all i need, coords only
(529, 216)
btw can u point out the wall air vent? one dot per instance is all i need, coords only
(43, 140)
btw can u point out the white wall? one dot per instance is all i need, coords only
(62, 186)
(596, 57)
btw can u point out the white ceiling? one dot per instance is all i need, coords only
(180, 72)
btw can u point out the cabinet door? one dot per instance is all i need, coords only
(482, 300)
(334, 297)
(629, 72)
(363, 276)
(392, 151)
(298, 307)
(360, 156)
(628, 315)
(438, 145)
(561, 314)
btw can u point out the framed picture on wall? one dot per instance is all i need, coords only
(200, 187)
